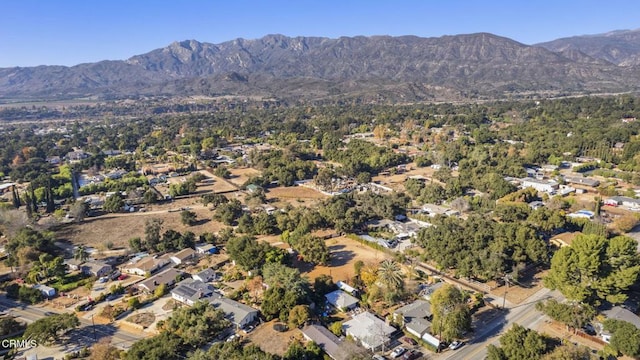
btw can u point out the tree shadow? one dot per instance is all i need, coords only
(340, 258)
(201, 222)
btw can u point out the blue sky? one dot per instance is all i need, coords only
(69, 32)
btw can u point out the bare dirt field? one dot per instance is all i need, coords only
(344, 253)
(273, 341)
(532, 282)
(240, 176)
(119, 228)
(396, 181)
(294, 195)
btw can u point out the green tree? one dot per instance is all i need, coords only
(391, 276)
(152, 228)
(80, 253)
(625, 337)
(519, 343)
(451, 315)
(594, 269)
(229, 212)
(299, 315)
(150, 197)
(113, 203)
(247, 252)
(336, 328)
(188, 217)
(573, 315)
(49, 329)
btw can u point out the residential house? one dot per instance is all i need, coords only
(96, 268)
(190, 291)
(183, 255)
(426, 290)
(206, 249)
(415, 317)
(77, 155)
(239, 314)
(624, 201)
(145, 265)
(548, 186)
(45, 290)
(432, 210)
(619, 313)
(341, 300)
(372, 332)
(73, 264)
(167, 277)
(330, 343)
(535, 205)
(581, 180)
(206, 275)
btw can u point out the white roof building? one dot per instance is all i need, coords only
(370, 331)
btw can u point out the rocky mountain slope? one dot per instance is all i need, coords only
(395, 68)
(619, 47)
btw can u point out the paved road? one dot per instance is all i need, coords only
(524, 314)
(85, 332)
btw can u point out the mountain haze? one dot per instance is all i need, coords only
(397, 68)
(620, 47)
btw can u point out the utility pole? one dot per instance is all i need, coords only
(93, 325)
(506, 284)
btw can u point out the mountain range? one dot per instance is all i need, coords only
(406, 68)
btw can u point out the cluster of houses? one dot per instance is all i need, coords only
(367, 329)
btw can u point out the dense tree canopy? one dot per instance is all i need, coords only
(595, 269)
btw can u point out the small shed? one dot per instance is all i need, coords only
(45, 290)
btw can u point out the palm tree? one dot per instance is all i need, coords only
(81, 253)
(390, 275)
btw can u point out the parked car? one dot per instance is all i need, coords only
(412, 355)
(379, 357)
(248, 329)
(456, 345)
(589, 329)
(232, 337)
(409, 341)
(123, 276)
(397, 352)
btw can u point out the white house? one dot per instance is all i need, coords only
(371, 332)
(45, 290)
(145, 265)
(183, 255)
(341, 300)
(206, 275)
(206, 249)
(548, 186)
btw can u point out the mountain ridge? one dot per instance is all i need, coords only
(480, 64)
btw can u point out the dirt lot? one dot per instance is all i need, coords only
(240, 176)
(272, 341)
(294, 195)
(344, 253)
(532, 282)
(396, 181)
(119, 228)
